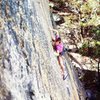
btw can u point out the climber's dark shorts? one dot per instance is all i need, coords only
(62, 53)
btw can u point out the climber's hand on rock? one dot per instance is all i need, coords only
(56, 53)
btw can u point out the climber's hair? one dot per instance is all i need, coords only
(58, 39)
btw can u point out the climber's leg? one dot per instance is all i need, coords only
(60, 60)
(64, 73)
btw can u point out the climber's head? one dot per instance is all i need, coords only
(58, 40)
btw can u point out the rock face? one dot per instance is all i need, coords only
(28, 67)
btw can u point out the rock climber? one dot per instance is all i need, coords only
(59, 47)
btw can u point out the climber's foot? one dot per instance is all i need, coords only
(64, 75)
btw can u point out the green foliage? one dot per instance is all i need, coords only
(97, 47)
(84, 49)
(96, 32)
(90, 50)
(89, 11)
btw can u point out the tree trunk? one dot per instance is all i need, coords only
(82, 31)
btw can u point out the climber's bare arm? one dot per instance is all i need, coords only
(53, 36)
(57, 33)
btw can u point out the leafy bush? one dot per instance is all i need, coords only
(92, 51)
(96, 32)
(84, 49)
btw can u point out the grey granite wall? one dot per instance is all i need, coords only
(28, 67)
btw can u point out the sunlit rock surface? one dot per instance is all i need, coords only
(28, 67)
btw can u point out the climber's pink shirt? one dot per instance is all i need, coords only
(59, 47)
